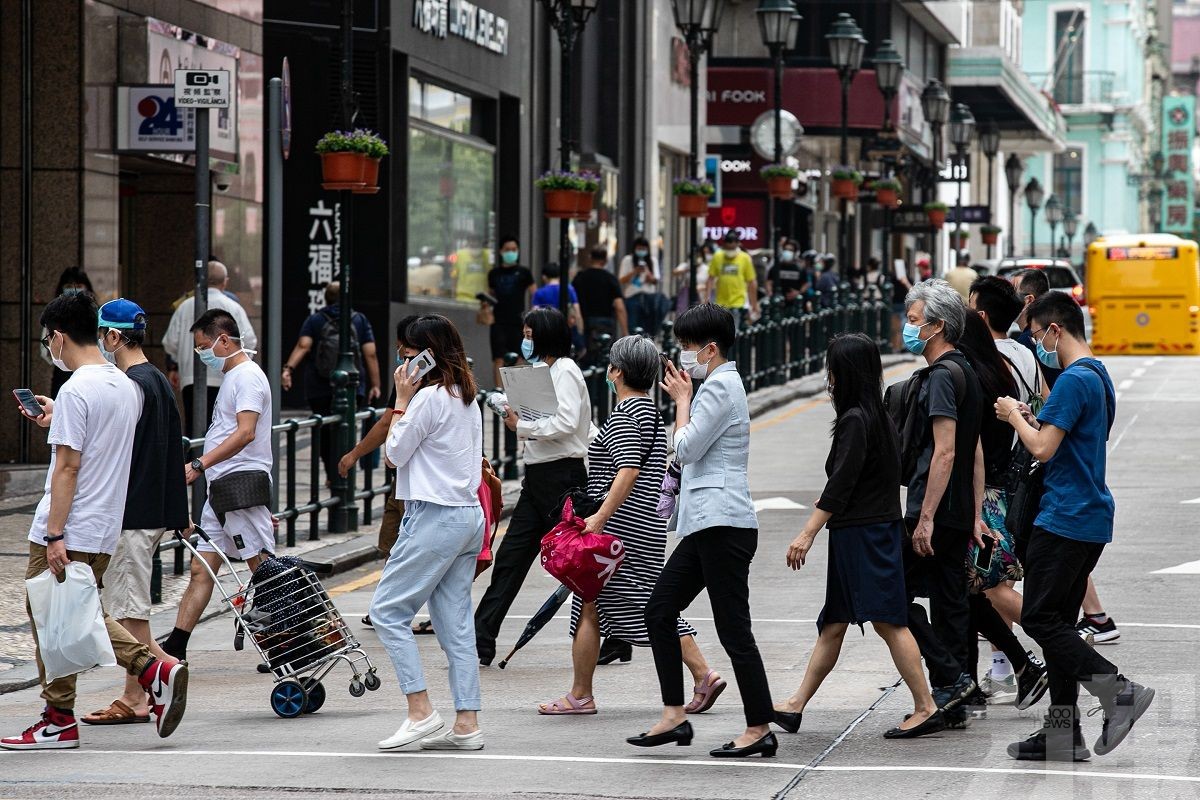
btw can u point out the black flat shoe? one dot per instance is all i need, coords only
(681, 735)
(614, 650)
(788, 720)
(766, 746)
(935, 724)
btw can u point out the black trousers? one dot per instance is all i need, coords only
(942, 578)
(986, 620)
(187, 408)
(535, 514)
(1056, 574)
(717, 559)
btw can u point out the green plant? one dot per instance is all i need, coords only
(847, 174)
(699, 186)
(779, 171)
(886, 183)
(560, 180)
(991, 229)
(359, 140)
(336, 142)
(937, 206)
(961, 233)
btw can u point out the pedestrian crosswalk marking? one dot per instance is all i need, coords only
(777, 504)
(1191, 502)
(1186, 568)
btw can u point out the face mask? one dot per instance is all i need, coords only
(913, 342)
(109, 357)
(510, 256)
(689, 363)
(787, 256)
(68, 290)
(612, 387)
(730, 253)
(58, 362)
(527, 351)
(213, 361)
(641, 252)
(1048, 358)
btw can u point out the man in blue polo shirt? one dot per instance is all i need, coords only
(1070, 438)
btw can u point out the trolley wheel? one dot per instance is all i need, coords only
(288, 699)
(372, 681)
(314, 694)
(357, 689)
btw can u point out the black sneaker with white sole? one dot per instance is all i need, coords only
(1032, 683)
(1101, 633)
(1120, 713)
(948, 697)
(1051, 743)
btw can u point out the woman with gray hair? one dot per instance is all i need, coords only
(626, 463)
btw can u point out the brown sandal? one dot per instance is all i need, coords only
(116, 714)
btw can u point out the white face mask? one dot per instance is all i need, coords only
(689, 363)
(109, 357)
(58, 362)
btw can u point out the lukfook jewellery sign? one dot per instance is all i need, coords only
(463, 19)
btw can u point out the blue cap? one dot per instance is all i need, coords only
(122, 313)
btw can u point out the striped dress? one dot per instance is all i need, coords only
(622, 444)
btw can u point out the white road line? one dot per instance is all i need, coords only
(1117, 443)
(777, 504)
(1186, 568)
(645, 761)
(1191, 502)
(1125, 384)
(758, 621)
(1137, 373)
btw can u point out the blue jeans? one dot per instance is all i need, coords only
(432, 561)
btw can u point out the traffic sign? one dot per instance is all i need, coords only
(970, 214)
(202, 88)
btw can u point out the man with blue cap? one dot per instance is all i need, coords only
(156, 500)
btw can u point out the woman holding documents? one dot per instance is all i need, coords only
(434, 444)
(627, 462)
(556, 439)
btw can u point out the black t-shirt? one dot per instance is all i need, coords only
(509, 285)
(857, 493)
(937, 399)
(786, 278)
(157, 496)
(597, 289)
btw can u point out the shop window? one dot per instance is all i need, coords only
(1068, 56)
(439, 106)
(1068, 178)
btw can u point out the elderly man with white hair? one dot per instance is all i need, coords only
(945, 491)
(177, 342)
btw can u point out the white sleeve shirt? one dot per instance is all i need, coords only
(568, 432)
(437, 448)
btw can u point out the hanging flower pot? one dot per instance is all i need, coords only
(779, 179)
(370, 177)
(844, 183)
(990, 234)
(559, 203)
(691, 196)
(584, 202)
(959, 238)
(567, 195)
(887, 192)
(937, 214)
(350, 160)
(342, 170)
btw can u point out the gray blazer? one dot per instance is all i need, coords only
(714, 451)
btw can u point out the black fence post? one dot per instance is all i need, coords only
(314, 477)
(290, 468)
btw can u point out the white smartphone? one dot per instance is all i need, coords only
(420, 364)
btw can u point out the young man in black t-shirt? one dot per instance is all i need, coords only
(512, 286)
(601, 301)
(788, 278)
(155, 502)
(945, 493)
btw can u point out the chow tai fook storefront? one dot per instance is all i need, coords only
(738, 95)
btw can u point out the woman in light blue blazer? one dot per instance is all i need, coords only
(719, 533)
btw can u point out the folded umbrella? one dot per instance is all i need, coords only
(539, 620)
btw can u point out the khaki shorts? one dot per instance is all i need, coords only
(126, 585)
(389, 526)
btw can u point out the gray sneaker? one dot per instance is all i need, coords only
(1000, 692)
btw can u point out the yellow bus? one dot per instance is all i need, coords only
(1144, 294)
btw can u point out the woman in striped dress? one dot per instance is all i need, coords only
(626, 463)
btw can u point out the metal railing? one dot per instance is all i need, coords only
(1073, 88)
(787, 342)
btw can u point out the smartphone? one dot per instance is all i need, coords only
(420, 364)
(983, 556)
(28, 403)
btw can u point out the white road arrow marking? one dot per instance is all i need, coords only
(777, 504)
(1195, 502)
(1188, 568)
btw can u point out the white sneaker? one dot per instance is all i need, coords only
(454, 741)
(411, 731)
(1000, 692)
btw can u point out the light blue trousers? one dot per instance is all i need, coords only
(433, 561)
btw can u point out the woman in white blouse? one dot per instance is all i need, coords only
(435, 444)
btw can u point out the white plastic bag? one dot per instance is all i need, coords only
(72, 636)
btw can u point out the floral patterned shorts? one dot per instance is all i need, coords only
(1005, 566)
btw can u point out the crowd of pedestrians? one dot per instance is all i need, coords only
(981, 409)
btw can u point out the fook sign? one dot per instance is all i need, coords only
(584, 562)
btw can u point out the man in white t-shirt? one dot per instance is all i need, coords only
(238, 440)
(79, 518)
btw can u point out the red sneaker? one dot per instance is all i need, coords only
(56, 731)
(167, 686)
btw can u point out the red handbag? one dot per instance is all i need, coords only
(584, 562)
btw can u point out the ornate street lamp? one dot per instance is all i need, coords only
(1054, 215)
(962, 128)
(778, 23)
(989, 143)
(935, 104)
(1090, 235)
(1034, 194)
(1013, 169)
(846, 46)
(1070, 226)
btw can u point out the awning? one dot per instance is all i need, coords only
(994, 88)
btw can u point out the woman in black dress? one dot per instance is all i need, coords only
(861, 508)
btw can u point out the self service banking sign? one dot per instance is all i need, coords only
(463, 19)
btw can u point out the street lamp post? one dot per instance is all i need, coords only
(1013, 168)
(1033, 198)
(697, 21)
(1070, 226)
(989, 143)
(889, 70)
(777, 23)
(1090, 234)
(846, 45)
(567, 18)
(962, 127)
(1155, 195)
(935, 104)
(1054, 215)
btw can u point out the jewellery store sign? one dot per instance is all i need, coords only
(464, 19)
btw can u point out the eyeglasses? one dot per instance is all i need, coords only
(45, 340)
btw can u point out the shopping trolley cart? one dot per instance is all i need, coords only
(294, 626)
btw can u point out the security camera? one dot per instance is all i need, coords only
(222, 183)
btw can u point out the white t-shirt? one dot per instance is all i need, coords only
(437, 447)
(96, 412)
(1026, 366)
(178, 340)
(638, 285)
(245, 388)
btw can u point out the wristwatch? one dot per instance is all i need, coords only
(197, 465)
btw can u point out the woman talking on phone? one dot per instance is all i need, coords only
(434, 444)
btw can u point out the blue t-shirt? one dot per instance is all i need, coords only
(1077, 504)
(548, 296)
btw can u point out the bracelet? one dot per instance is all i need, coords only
(1009, 414)
(399, 412)
(51, 539)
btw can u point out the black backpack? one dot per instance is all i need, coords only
(325, 357)
(901, 402)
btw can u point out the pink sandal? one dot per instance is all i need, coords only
(574, 707)
(709, 691)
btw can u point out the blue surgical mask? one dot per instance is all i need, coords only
(527, 351)
(913, 342)
(510, 256)
(211, 360)
(641, 252)
(1048, 358)
(787, 256)
(612, 387)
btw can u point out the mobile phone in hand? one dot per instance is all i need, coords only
(983, 556)
(29, 403)
(420, 364)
